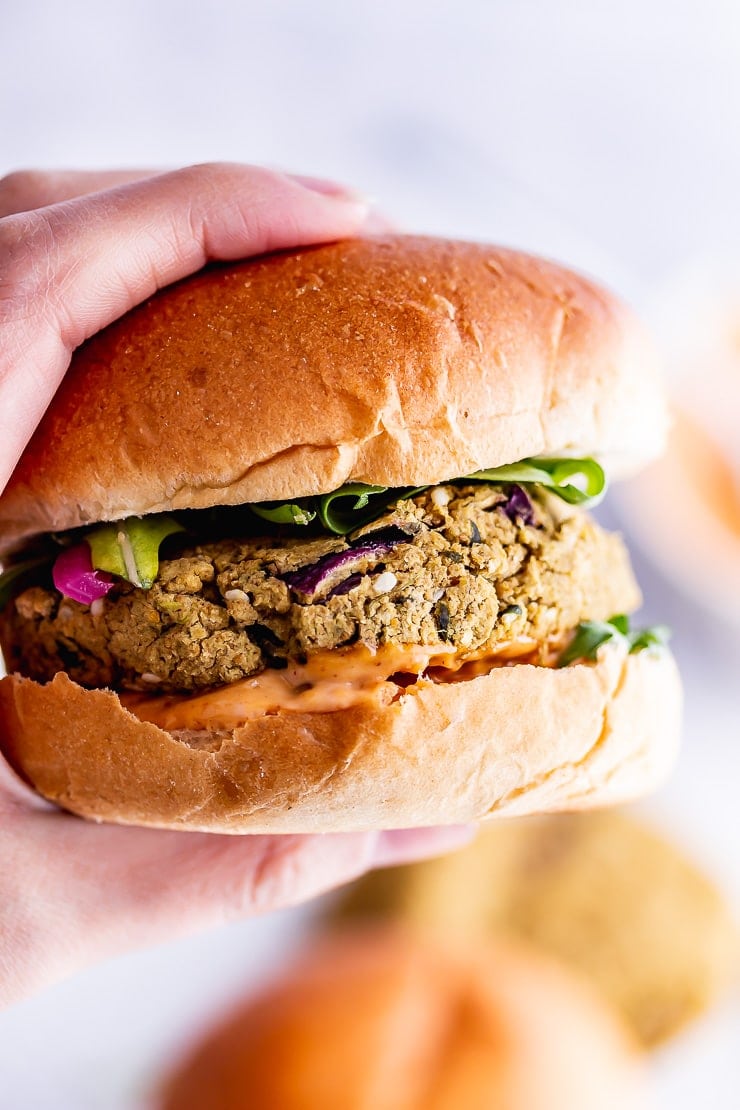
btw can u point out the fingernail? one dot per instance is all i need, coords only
(330, 188)
(376, 223)
(407, 845)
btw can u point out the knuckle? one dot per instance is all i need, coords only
(275, 879)
(223, 201)
(21, 189)
(217, 177)
(27, 244)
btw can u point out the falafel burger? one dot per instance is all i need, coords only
(302, 545)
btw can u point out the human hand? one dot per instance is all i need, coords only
(76, 252)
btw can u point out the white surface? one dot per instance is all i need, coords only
(604, 134)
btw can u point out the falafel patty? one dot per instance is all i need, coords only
(459, 567)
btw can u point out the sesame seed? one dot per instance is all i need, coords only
(236, 595)
(385, 582)
(510, 615)
(65, 613)
(439, 497)
(438, 594)
(96, 607)
(153, 679)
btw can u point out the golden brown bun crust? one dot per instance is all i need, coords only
(518, 740)
(378, 1020)
(397, 361)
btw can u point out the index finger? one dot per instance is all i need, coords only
(24, 190)
(71, 268)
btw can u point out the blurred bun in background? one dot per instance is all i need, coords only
(382, 1020)
(600, 892)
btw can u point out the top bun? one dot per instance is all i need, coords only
(394, 361)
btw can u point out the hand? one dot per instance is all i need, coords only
(77, 250)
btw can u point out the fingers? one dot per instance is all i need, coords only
(95, 892)
(16, 795)
(411, 845)
(25, 190)
(93, 258)
(71, 268)
(85, 893)
(162, 883)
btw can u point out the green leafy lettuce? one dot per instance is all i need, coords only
(130, 548)
(590, 636)
(577, 481)
(284, 513)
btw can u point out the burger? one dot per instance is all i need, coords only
(302, 544)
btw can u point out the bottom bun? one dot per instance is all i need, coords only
(520, 739)
(380, 1020)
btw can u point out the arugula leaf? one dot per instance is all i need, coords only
(621, 623)
(577, 481)
(555, 474)
(284, 512)
(130, 548)
(16, 576)
(648, 638)
(338, 520)
(589, 637)
(592, 635)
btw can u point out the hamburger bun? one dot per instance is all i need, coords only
(602, 893)
(385, 1021)
(518, 740)
(401, 361)
(397, 361)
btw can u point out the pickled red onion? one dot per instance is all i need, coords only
(75, 577)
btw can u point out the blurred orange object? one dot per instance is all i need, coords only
(684, 510)
(378, 1020)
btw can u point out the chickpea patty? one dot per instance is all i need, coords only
(461, 567)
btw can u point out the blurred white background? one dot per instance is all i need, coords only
(604, 134)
